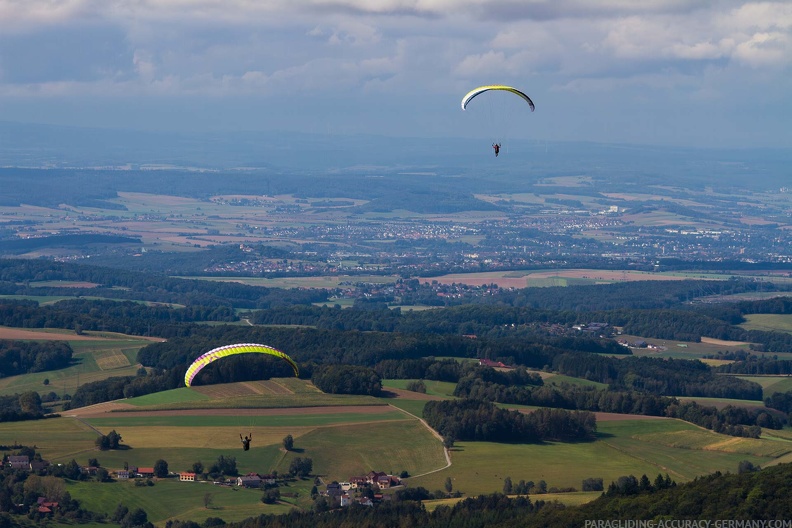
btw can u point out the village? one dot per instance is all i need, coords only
(365, 490)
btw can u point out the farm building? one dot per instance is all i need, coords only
(18, 462)
(187, 477)
(251, 480)
(145, 472)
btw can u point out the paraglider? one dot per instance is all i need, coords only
(505, 112)
(230, 350)
(481, 89)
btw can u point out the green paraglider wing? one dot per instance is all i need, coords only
(481, 89)
(230, 350)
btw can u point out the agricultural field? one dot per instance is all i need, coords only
(171, 499)
(768, 322)
(771, 384)
(97, 356)
(344, 438)
(442, 389)
(622, 447)
(668, 348)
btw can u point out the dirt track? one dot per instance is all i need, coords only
(18, 334)
(121, 410)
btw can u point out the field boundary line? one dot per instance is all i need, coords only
(436, 435)
(632, 455)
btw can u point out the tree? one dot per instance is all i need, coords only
(114, 439)
(30, 402)
(160, 468)
(271, 496)
(93, 462)
(102, 475)
(288, 442)
(72, 470)
(595, 484)
(197, 467)
(208, 499)
(301, 467)
(507, 486)
(541, 487)
(136, 517)
(449, 485)
(121, 511)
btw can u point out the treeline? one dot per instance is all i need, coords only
(633, 295)
(781, 401)
(126, 317)
(478, 320)
(476, 420)
(677, 377)
(689, 325)
(734, 421)
(22, 357)
(452, 371)
(307, 345)
(18, 407)
(17, 274)
(683, 324)
(734, 312)
(756, 365)
(118, 387)
(347, 379)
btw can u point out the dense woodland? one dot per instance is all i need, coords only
(476, 420)
(21, 357)
(16, 277)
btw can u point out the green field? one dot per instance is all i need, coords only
(169, 496)
(768, 322)
(681, 349)
(92, 361)
(771, 384)
(444, 389)
(350, 443)
(631, 447)
(557, 379)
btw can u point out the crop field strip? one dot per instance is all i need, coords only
(111, 359)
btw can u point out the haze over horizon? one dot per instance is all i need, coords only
(661, 72)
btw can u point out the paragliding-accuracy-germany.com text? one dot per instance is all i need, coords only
(687, 523)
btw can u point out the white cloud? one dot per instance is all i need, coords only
(338, 49)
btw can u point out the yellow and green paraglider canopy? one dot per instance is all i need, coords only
(230, 350)
(481, 89)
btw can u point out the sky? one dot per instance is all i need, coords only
(701, 73)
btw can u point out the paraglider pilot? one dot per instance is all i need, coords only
(246, 441)
(496, 146)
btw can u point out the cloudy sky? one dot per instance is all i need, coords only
(678, 72)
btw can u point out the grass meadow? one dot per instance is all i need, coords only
(768, 322)
(771, 384)
(93, 360)
(171, 499)
(443, 389)
(344, 443)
